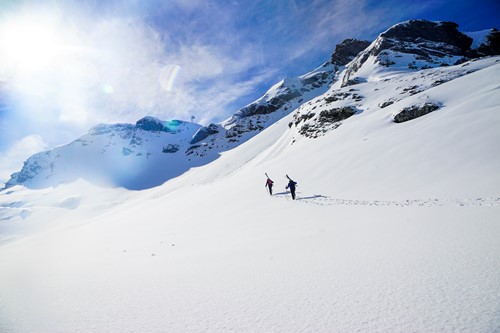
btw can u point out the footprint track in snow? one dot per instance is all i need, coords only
(322, 200)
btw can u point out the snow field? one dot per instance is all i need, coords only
(161, 265)
(395, 229)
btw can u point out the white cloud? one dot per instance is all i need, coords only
(112, 70)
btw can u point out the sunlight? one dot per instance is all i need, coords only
(30, 42)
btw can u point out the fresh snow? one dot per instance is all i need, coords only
(395, 229)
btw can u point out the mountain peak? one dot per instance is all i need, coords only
(347, 50)
(418, 31)
(414, 45)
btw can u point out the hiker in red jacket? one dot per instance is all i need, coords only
(269, 185)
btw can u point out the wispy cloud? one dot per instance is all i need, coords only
(111, 68)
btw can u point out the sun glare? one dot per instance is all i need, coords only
(30, 42)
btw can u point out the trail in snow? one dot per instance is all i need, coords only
(322, 200)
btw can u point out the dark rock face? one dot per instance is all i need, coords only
(171, 148)
(347, 50)
(272, 105)
(281, 99)
(415, 111)
(336, 114)
(385, 104)
(150, 124)
(422, 32)
(245, 125)
(353, 81)
(191, 150)
(315, 81)
(204, 132)
(327, 120)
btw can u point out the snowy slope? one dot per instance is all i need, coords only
(395, 228)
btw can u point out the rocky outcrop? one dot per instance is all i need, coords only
(347, 50)
(414, 112)
(204, 132)
(424, 38)
(271, 105)
(278, 101)
(150, 124)
(311, 125)
(336, 114)
(171, 148)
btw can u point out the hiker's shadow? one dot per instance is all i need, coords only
(316, 196)
(311, 197)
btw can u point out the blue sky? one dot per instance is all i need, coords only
(68, 65)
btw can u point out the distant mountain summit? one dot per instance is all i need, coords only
(419, 44)
(152, 151)
(133, 156)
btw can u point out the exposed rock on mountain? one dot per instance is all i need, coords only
(415, 111)
(313, 126)
(416, 44)
(424, 38)
(347, 50)
(291, 92)
(204, 132)
(279, 101)
(171, 148)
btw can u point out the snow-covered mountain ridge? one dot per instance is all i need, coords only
(411, 54)
(153, 151)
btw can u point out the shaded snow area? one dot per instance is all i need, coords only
(478, 37)
(396, 226)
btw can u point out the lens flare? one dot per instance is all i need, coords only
(168, 76)
(108, 89)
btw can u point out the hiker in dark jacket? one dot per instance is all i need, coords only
(291, 185)
(269, 185)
